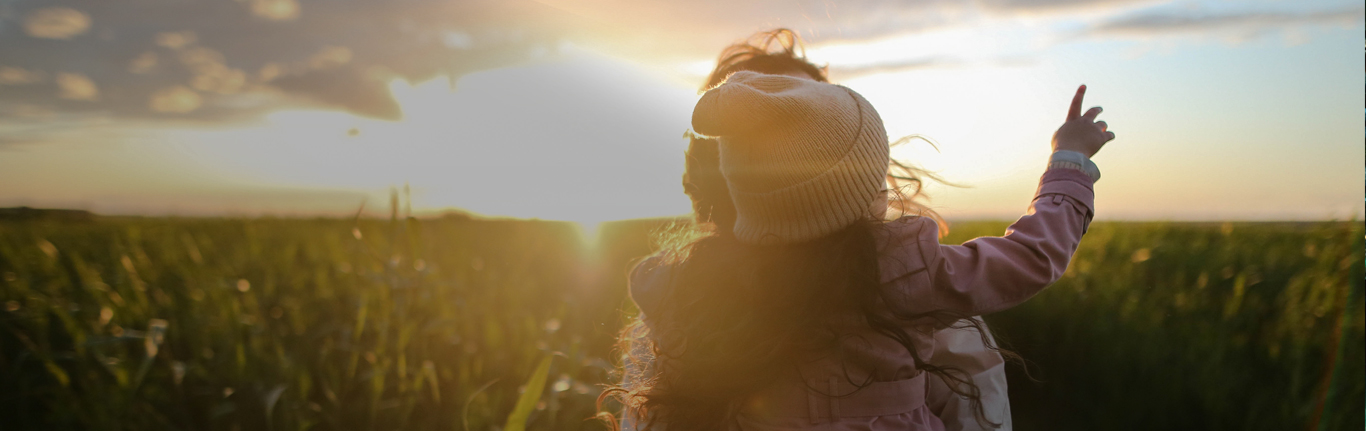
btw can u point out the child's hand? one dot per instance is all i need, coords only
(1082, 133)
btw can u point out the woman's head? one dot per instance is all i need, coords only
(777, 52)
(781, 52)
(801, 159)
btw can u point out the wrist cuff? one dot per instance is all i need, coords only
(1067, 159)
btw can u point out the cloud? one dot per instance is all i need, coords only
(269, 72)
(279, 10)
(849, 72)
(343, 55)
(210, 74)
(330, 57)
(458, 40)
(1052, 6)
(19, 76)
(261, 50)
(221, 80)
(56, 23)
(143, 63)
(176, 100)
(700, 29)
(176, 39)
(580, 123)
(1174, 22)
(75, 86)
(23, 124)
(367, 92)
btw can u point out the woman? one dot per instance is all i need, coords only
(810, 282)
(961, 346)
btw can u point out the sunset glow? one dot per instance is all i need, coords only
(1248, 112)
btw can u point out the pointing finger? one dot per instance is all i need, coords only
(1075, 110)
(1092, 113)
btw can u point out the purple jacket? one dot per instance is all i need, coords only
(981, 276)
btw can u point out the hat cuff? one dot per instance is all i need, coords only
(811, 209)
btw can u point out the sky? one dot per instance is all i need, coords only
(576, 109)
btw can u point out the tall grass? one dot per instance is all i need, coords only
(327, 324)
(297, 324)
(1196, 326)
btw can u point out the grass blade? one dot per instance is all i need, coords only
(527, 403)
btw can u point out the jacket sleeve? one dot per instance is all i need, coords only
(991, 274)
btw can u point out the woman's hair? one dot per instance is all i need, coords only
(773, 52)
(737, 317)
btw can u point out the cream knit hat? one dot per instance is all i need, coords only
(803, 159)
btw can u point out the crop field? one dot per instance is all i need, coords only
(466, 324)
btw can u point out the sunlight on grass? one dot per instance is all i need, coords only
(590, 232)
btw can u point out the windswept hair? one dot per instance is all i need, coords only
(773, 52)
(735, 317)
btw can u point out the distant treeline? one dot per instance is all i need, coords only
(26, 213)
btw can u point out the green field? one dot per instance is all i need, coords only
(439, 324)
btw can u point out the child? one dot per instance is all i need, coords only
(963, 347)
(813, 314)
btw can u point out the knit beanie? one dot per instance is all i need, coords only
(803, 159)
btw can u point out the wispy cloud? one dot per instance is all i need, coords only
(56, 23)
(1057, 6)
(842, 72)
(1170, 22)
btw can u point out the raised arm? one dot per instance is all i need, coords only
(991, 274)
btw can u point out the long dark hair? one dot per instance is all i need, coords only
(737, 317)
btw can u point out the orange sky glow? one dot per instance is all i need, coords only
(575, 109)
